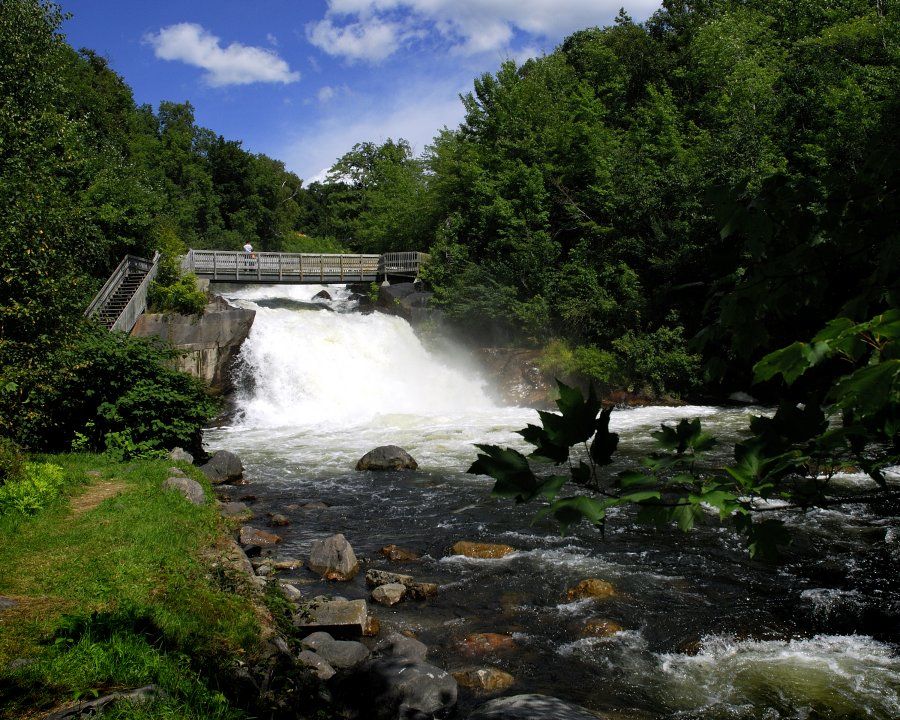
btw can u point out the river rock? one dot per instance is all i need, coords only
(315, 641)
(95, 708)
(190, 489)
(600, 628)
(333, 558)
(279, 520)
(389, 594)
(287, 564)
(486, 643)
(591, 588)
(176, 471)
(481, 551)
(402, 646)
(236, 510)
(397, 688)
(340, 618)
(531, 707)
(373, 626)
(251, 536)
(374, 578)
(180, 455)
(322, 295)
(321, 668)
(387, 457)
(484, 679)
(291, 593)
(421, 590)
(223, 467)
(398, 554)
(342, 654)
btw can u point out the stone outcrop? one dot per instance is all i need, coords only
(402, 646)
(180, 455)
(210, 342)
(387, 457)
(531, 707)
(223, 467)
(516, 377)
(404, 299)
(190, 489)
(333, 558)
(395, 688)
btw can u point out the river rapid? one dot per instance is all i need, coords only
(707, 633)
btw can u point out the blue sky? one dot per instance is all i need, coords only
(303, 80)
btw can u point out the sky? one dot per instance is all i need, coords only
(304, 80)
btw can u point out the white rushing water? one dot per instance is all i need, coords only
(320, 387)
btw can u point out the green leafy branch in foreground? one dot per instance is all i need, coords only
(791, 457)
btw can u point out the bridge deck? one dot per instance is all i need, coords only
(299, 268)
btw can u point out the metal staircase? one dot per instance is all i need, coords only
(124, 296)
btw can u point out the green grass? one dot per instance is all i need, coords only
(117, 595)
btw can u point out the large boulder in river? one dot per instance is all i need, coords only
(387, 457)
(333, 558)
(398, 688)
(531, 707)
(223, 467)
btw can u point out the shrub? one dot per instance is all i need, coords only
(659, 359)
(12, 461)
(563, 361)
(39, 485)
(180, 296)
(98, 383)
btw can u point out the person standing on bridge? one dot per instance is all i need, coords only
(248, 248)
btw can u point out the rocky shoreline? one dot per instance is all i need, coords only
(329, 652)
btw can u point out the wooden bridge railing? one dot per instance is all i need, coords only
(288, 268)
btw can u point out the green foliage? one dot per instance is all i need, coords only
(12, 461)
(98, 384)
(659, 358)
(790, 457)
(182, 296)
(296, 242)
(121, 595)
(38, 485)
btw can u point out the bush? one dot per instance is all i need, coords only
(99, 383)
(38, 486)
(181, 296)
(659, 359)
(586, 361)
(12, 461)
(294, 242)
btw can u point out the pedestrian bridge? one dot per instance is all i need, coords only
(300, 268)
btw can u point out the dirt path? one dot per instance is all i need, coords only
(95, 495)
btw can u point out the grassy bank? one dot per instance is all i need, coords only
(114, 587)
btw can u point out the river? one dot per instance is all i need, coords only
(707, 633)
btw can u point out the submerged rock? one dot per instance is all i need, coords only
(591, 588)
(190, 489)
(481, 551)
(486, 643)
(421, 590)
(236, 510)
(223, 467)
(387, 457)
(322, 295)
(279, 520)
(398, 554)
(531, 707)
(484, 679)
(333, 558)
(601, 628)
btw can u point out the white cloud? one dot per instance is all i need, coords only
(326, 92)
(416, 114)
(235, 64)
(374, 29)
(272, 39)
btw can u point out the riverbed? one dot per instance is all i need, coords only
(706, 633)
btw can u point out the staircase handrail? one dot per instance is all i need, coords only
(138, 301)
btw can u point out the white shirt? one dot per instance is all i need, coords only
(248, 248)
